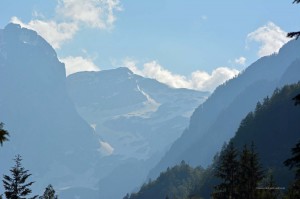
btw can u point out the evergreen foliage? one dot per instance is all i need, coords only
(294, 34)
(294, 161)
(3, 134)
(268, 188)
(227, 171)
(293, 190)
(240, 177)
(176, 183)
(250, 173)
(15, 185)
(49, 193)
(273, 127)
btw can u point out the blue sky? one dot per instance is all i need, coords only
(194, 44)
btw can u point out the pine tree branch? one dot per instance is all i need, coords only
(294, 34)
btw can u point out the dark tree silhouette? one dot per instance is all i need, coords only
(294, 34)
(227, 171)
(15, 185)
(250, 173)
(3, 134)
(49, 193)
(294, 162)
(297, 97)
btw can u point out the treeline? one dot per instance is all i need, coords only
(16, 184)
(235, 174)
(257, 163)
(177, 182)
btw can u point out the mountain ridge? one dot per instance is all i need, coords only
(203, 123)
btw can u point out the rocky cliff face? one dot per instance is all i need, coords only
(57, 145)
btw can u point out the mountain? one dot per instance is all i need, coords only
(273, 127)
(217, 119)
(56, 144)
(136, 119)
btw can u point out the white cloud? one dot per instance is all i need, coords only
(72, 14)
(131, 64)
(240, 60)
(208, 82)
(198, 80)
(77, 64)
(155, 71)
(55, 33)
(271, 37)
(94, 13)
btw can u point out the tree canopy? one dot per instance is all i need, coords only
(3, 134)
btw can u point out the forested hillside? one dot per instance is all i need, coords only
(269, 132)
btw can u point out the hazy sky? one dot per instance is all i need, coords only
(193, 43)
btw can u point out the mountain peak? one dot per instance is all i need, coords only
(18, 35)
(123, 70)
(12, 27)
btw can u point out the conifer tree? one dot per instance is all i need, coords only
(15, 185)
(3, 134)
(269, 188)
(294, 34)
(294, 163)
(49, 193)
(227, 171)
(244, 172)
(256, 173)
(250, 173)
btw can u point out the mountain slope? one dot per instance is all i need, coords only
(137, 119)
(56, 144)
(216, 120)
(273, 126)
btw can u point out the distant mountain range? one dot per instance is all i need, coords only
(98, 134)
(273, 129)
(217, 119)
(128, 123)
(135, 118)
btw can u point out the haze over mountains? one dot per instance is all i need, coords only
(215, 121)
(128, 121)
(98, 134)
(135, 118)
(56, 143)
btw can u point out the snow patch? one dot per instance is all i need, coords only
(105, 148)
(149, 106)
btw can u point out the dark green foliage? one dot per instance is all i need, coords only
(239, 176)
(268, 189)
(227, 171)
(3, 134)
(294, 34)
(274, 127)
(15, 185)
(49, 193)
(177, 182)
(297, 99)
(250, 173)
(294, 162)
(293, 190)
